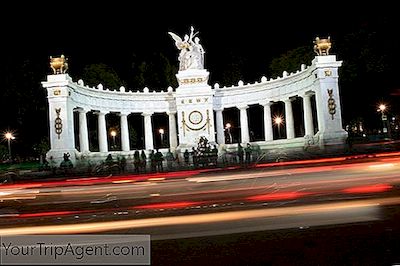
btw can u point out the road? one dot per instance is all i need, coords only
(321, 192)
(332, 211)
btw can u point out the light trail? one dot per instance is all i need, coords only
(220, 217)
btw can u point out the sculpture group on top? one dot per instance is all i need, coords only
(192, 52)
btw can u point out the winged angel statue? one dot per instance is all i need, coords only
(192, 52)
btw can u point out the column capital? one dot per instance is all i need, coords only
(81, 110)
(101, 112)
(171, 112)
(287, 100)
(124, 113)
(147, 113)
(266, 103)
(306, 94)
(219, 109)
(241, 107)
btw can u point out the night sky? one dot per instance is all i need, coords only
(112, 33)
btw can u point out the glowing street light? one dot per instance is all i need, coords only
(381, 108)
(161, 131)
(228, 128)
(278, 120)
(113, 133)
(9, 136)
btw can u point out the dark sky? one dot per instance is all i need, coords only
(111, 32)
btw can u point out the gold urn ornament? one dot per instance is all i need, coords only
(322, 46)
(59, 65)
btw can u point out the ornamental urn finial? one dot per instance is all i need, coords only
(59, 65)
(322, 46)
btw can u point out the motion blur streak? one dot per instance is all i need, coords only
(278, 196)
(168, 205)
(42, 214)
(380, 166)
(368, 189)
(221, 217)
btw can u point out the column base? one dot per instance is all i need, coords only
(332, 141)
(56, 157)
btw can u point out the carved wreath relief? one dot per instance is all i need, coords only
(58, 123)
(195, 119)
(331, 103)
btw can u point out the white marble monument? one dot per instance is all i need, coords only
(194, 104)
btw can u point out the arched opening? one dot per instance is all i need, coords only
(136, 131)
(93, 131)
(278, 120)
(76, 130)
(298, 117)
(160, 130)
(231, 117)
(113, 126)
(256, 122)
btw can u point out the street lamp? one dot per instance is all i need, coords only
(113, 134)
(381, 108)
(228, 128)
(9, 136)
(161, 131)
(278, 120)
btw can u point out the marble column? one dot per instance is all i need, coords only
(268, 133)
(124, 132)
(103, 143)
(289, 119)
(244, 124)
(308, 119)
(173, 137)
(220, 126)
(148, 131)
(83, 131)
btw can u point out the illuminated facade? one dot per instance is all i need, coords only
(195, 109)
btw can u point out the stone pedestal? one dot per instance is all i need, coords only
(61, 118)
(194, 104)
(331, 134)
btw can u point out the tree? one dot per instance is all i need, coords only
(3, 153)
(291, 60)
(95, 74)
(155, 72)
(42, 147)
(23, 101)
(132, 137)
(233, 70)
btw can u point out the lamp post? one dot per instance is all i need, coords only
(228, 128)
(113, 134)
(381, 108)
(9, 136)
(278, 121)
(161, 131)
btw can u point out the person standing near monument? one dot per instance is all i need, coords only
(248, 151)
(240, 153)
